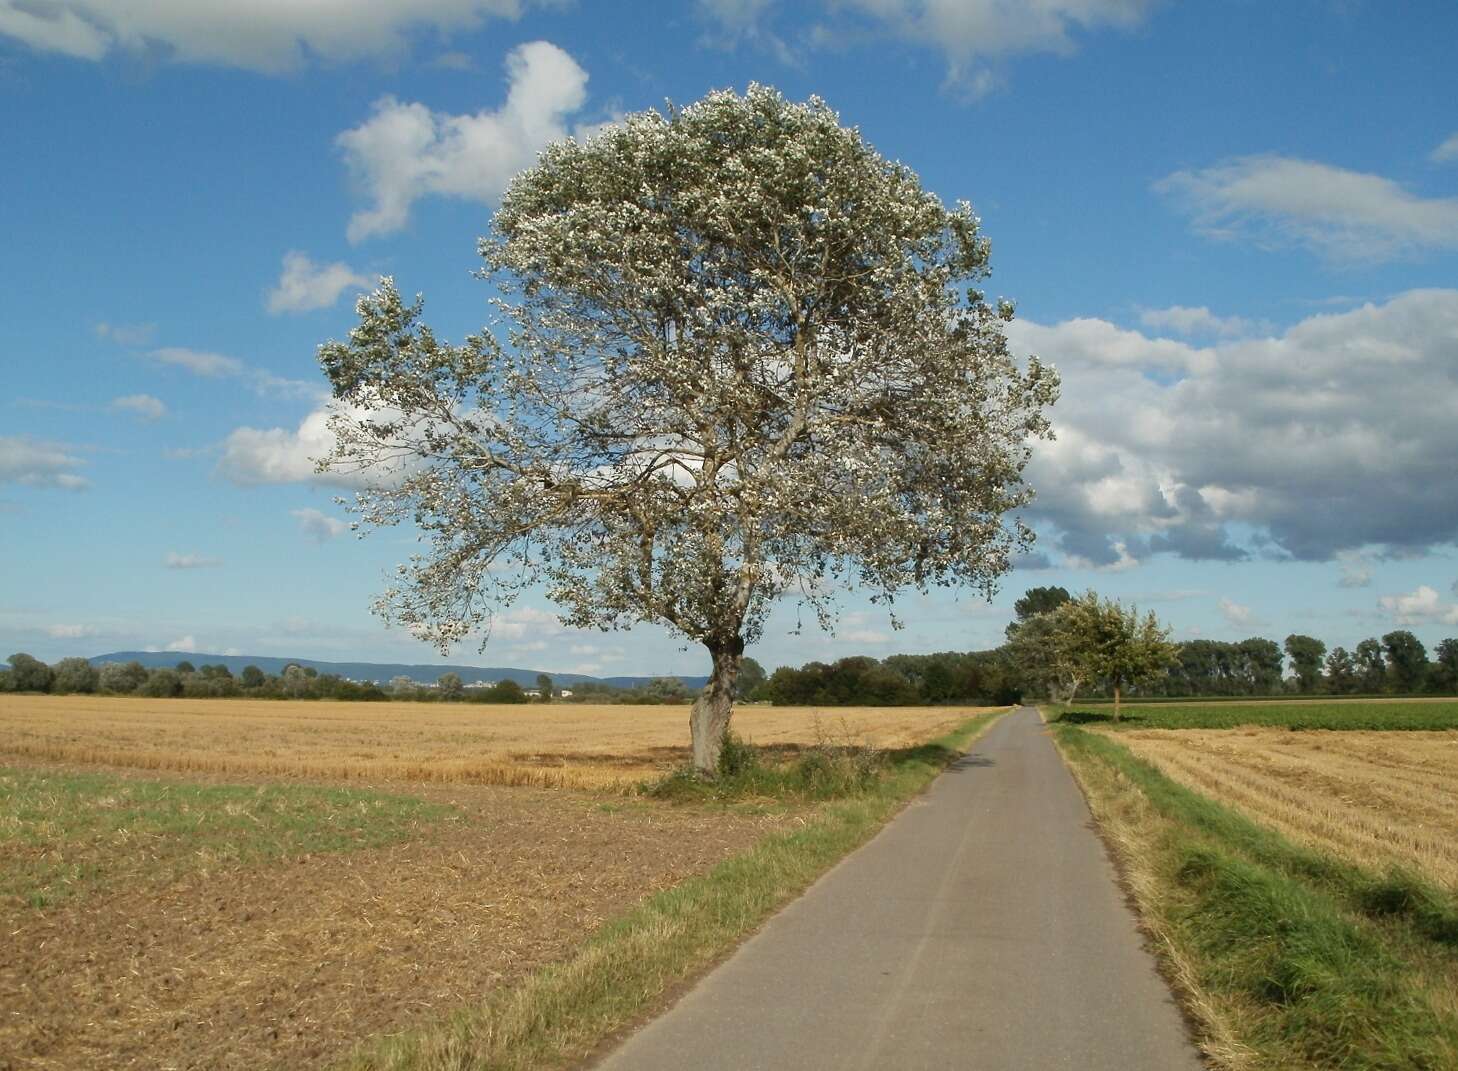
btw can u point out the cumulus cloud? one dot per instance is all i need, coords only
(258, 35)
(1447, 151)
(174, 560)
(142, 406)
(405, 151)
(1335, 435)
(254, 456)
(1420, 607)
(1184, 320)
(1340, 214)
(182, 643)
(319, 526)
(305, 285)
(37, 463)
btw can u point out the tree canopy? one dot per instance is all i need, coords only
(741, 355)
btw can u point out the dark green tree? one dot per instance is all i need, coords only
(1036, 601)
(544, 685)
(1371, 667)
(1407, 660)
(751, 678)
(1444, 674)
(252, 677)
(74, 675)
(29, 674)
(186, 668)
(1305, 653)
(450, 686)
(1341, 672)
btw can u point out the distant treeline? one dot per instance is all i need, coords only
(973, 677)
(77, 676)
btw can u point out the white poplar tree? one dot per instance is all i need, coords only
(740, 355)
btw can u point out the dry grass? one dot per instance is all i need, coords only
(558, 746)
(1372, 798)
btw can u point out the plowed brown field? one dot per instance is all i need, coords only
(556, 746)
(1374, 798)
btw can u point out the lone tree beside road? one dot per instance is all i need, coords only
(1111, 643)
(742, 357)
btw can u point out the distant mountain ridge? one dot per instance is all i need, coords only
(382, 672)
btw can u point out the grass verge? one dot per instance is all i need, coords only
(1288, 958)
(68, 834)
(623, 970)
(1288, 714)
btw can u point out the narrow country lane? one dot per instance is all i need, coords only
(982, 929)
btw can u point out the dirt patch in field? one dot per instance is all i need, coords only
(289, 964)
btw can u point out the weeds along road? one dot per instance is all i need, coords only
(982, 929)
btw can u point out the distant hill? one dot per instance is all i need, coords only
(373, 671)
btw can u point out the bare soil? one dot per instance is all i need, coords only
(291, 964)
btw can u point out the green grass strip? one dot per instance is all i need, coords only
(1286, 940)
(1395, 894)
(1281, 714)
(627, 966)
(67, 834)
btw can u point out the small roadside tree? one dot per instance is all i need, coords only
(1111, 643)
(743, 356)
(544, 687)
(1046, 656)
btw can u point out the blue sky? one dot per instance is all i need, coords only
(1232, 226)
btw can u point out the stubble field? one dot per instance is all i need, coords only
(1376, 799)
(550, 746)
(235, 884)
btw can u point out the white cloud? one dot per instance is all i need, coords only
(1419, 607)
(1335, 435)
(36, 463)
(182, 643)
(305, 285)
(737, 22)
(1184, 320)
(404, 151)
(217, 366)
(319, 526)
(253, 456)
(199, 362)
(525, 623)
(1235, 613)
(1356, 569)
(143, 406)
(1343, 215)
(127, 334)
(972, 32)
(1447, 151)
(259, 35)
(69, 632)
(174, 560)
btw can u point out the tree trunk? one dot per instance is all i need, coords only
(709, 719)
(1116, 702)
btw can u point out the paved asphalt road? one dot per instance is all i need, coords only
(982, 929)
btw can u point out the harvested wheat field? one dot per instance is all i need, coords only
(1373, 798)
(291, 962)
(556, 746)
